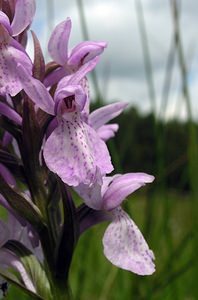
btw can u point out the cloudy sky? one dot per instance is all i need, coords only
(121, 72)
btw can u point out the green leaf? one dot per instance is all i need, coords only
(13, 280)
(33, 267)
(26, 209)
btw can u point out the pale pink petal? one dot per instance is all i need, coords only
(36, 91)
(24, 13)
(58, 43)
(68, 153)
(9, 58)
(78, 75)
(91, 195)
(125, 246)
(106, 132)
(106, 181)
(122, 186)
(85, 113)
(85, 52)
(104, 114)
(102, 157)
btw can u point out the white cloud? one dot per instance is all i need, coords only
(122, 64)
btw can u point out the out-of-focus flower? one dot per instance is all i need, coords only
(123, 242)
(11, 52)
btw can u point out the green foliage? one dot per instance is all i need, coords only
(33, 267)
(135, 143)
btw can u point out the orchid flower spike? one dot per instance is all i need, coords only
(11, 52)
(74, 150)
(124, 245)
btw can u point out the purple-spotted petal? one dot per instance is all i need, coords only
(9, 58)
(125, 246)
(101, 154)
(106, 132)
(36, 91)
(58, 43)
(68, 153)
(104, 114)
(85, 113)
(23, 16)
(122, 186)
(85, 52)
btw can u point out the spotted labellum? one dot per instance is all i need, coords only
(53, 148)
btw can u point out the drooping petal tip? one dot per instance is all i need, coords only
(86, 51)
(125, 246)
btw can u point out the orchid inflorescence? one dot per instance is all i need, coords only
(52, 147)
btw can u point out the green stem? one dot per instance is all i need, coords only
(62, 291)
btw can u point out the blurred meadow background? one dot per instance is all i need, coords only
(151, 62)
